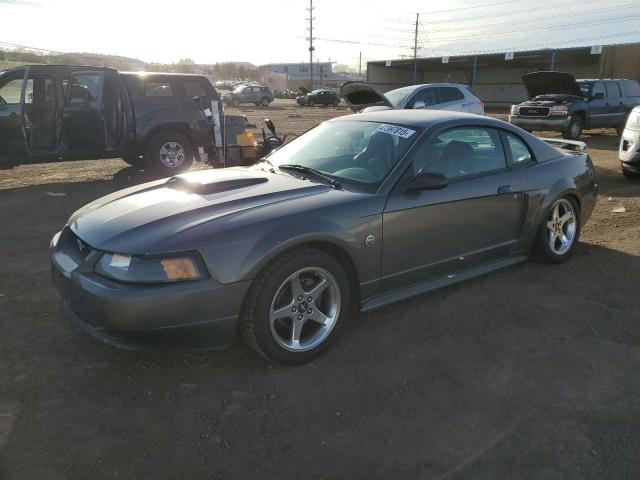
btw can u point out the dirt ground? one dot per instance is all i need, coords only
(530, 373)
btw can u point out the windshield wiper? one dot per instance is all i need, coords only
(316, 173)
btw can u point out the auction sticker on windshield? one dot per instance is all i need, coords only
(395, 130)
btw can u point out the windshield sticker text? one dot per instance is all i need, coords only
(395, 130)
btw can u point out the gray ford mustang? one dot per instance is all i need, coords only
(359, 212)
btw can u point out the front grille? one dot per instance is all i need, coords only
(74, 246)
(534, 111)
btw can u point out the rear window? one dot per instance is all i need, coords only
(158, 89)
(631, 88)
(450, 94)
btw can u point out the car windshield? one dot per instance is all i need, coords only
(315, 92)
(239, 89)
(358, 152)
(396, 96)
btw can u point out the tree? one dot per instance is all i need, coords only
(185, 65)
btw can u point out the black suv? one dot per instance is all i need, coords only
(50, 112)
(318, 97)
(561, 103)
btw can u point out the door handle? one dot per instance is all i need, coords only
(505, 189)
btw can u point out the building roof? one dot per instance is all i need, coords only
(284, 64)
(526, 58)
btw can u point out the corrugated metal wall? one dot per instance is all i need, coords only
(502, 86)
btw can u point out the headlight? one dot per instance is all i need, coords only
(135, 269)
(515, 109)
(559, 110)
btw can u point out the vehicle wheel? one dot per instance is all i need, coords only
(311, 103)
(575, 129)
(235, 102)
(265, 102)
(169, 152)
(559, 232)
(295, 306)
(630, 175)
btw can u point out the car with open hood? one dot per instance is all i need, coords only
(359, 212)
(559, 102)
(365, 97)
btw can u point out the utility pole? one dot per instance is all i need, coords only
(360, 65)
(415, 51)
(311, 48)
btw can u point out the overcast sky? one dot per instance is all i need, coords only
(273, 30)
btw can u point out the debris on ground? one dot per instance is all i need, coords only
(620, 209)
(55, 194)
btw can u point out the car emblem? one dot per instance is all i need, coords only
(370, 241)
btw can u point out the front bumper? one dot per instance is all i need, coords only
(545, 123)
(629, 151)
(190, 315)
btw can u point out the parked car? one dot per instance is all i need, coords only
(319, 97)
(630, 145)
(364, 97)
(561, 103)
(254, 93)
(361, 211)
(58, 111)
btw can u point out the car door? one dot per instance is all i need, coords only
(12, 139)
(615, 105)
(82, 116)
(41, 113)
(598, 109)
(474, 220)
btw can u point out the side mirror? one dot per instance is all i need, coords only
(598, 96)
(428, 181)
(270, 125)
(419, 104)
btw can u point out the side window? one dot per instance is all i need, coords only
(449, 94)
(631, 88)
(11, 90)
(598, 87)
(520, 153)
(158, 89)
(426, 95)
(460, 152)
(84, 87)
(193, 89)
(613, 90)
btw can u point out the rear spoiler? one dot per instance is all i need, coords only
(573, 145)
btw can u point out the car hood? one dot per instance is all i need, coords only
(304, 91)
(134, 220)
(549, 83)
(359, 95)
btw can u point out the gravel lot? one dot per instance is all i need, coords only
(529, 373)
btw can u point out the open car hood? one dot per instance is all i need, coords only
(304, 91)
(359, 95)
(549, 83)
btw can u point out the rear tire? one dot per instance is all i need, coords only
(235, 102)
(278, 307)
(169, 153)
(575, 129)
(559, 231)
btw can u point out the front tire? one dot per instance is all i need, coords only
(575, 129)
(265, 102)
(559, 232)
(295, 306)
(169, 153)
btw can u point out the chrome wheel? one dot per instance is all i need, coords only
(561, 227)
(304, 309)
(172, 154)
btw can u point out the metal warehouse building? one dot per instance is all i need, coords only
(496, 77)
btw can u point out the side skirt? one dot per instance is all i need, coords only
(413, 290)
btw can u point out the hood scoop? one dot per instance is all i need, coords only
(208, 188)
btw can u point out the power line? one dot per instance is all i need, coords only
(469, 7)
(568, 26)
(533, 20)
(516, 12)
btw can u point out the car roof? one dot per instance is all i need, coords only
(420, 118)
